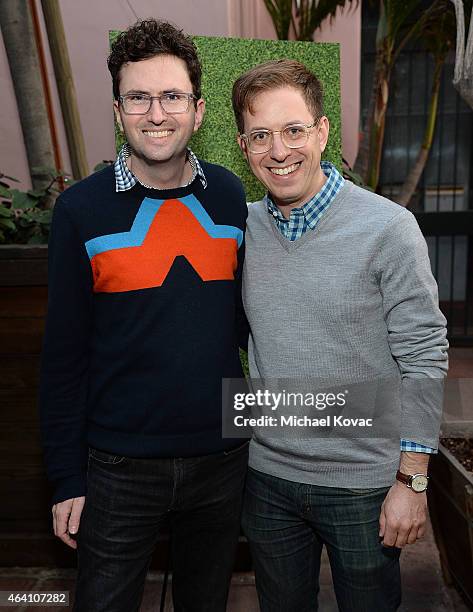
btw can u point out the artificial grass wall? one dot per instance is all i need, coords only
(223, 60)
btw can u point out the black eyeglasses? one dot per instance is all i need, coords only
(171, 103)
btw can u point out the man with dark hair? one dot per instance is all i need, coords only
(145, 260)
(359, 307)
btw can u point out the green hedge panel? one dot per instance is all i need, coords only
(223, 60)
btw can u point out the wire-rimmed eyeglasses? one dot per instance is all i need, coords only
(293, 136)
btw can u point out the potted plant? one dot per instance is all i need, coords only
(25, 217)
(450, 498)
(25, 517)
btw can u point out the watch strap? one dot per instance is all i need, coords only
(405, 478)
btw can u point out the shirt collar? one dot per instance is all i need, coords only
(125, 179)
(312, 209)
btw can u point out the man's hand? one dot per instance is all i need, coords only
(66, 519)
(403, 516)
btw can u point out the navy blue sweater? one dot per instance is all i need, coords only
(141, 324)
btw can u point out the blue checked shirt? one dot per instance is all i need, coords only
(306, 218)
(125, 179)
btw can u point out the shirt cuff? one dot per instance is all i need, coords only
(414, 447)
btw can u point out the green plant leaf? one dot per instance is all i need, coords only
(46, 217)
(397, 13)
(355, 178)
(103, 164)
(5, 212)
(7, 223)
(244, 362)
(23, 223)
(313, 15)
(5, 192)
(32, 215)
(22, 200)
(37, 239)
(281, 12)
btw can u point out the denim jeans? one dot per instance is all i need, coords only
(287, 524)
(130, 503)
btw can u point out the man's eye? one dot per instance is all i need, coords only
(295, 130)
(259, 136)
(172, 97)
(138, 98)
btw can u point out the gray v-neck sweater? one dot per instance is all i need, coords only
(352, 300)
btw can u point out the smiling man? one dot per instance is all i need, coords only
(337, 287)
(145, 260)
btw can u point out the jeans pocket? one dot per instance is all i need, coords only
(104, 457)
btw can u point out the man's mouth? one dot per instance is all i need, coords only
(286, 170)
(157, 133)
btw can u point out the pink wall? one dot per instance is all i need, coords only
(346, 28)
(87, 39)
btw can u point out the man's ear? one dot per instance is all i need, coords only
(116, 109)
(323, 131)
(243, 147)
(199, 114)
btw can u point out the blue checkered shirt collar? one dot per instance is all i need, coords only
(307, 216)
(125, 179)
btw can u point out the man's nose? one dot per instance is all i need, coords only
(156, 113)
(279, 150)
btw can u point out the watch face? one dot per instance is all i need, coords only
(419, 483)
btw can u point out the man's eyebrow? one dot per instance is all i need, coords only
(166, 91)
(288, 124)
(137, 91)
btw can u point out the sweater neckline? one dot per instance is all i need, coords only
(168, 194)
(293, 245)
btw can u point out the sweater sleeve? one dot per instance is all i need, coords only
(416, 327)
(65, 357)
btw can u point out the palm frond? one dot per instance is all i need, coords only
(305, 16)
(312, 13)
(438, 34)
(281, 14)
(397, 13)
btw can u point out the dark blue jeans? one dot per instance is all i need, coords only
(287, 524)
(131, 502)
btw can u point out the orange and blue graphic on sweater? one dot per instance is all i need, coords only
(161, 231)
